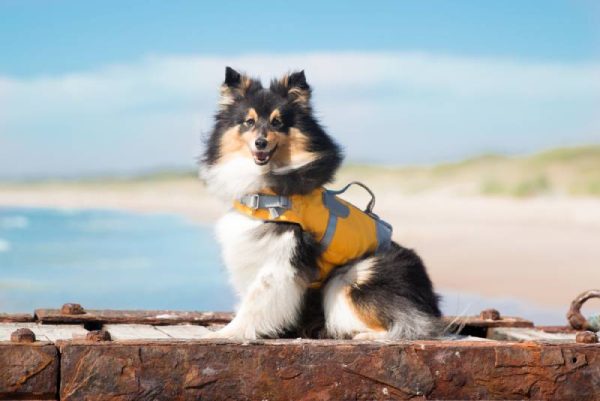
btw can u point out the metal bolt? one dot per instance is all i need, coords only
(586, 337)
(72, 309)
(22, 335)
(490, 314)
(98, 335)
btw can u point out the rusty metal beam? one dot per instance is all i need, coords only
(323, 370)
(28, 371)
(155, 317)
(16, 318)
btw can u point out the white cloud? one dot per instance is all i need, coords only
(394, 107)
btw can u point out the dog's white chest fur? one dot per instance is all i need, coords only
(259, 260)
(249, 254)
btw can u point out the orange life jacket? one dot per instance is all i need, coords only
(345, 232)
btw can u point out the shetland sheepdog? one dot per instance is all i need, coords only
(268, 138)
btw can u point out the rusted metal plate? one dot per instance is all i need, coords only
(134, 332)
(324, 370)
(184, 331)
(15, 317)
(147, 332)
(477, 321)
(166, 317)
(529, 334)
(44, 332)
(28, 371)
(155, 317)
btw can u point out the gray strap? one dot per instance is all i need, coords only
(261, 201)
(276, 204)
(370, 205)
(329, 231)
(384, 234)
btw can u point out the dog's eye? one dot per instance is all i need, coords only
(276, 123)
(249, 122)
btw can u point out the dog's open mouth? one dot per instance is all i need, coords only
(263, 157)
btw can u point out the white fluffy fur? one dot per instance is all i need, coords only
(233, 178)
(260, 270)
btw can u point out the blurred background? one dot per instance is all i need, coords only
(476, 123)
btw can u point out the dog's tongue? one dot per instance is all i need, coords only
(262, 156)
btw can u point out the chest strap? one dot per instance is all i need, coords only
(275, 204)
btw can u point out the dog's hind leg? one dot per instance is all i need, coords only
(342, 317)
(387, 296)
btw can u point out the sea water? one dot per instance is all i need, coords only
(108, 259)
(122, 260)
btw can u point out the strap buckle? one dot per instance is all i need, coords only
(253, 201)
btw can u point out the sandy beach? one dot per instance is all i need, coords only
(543, 250)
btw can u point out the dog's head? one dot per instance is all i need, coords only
(267, 138)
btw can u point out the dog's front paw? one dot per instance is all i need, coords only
(229, 334)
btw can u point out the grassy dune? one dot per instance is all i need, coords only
(564, 171)
(571, 171)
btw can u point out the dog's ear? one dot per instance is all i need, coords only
(298, 80)
(236, 86)
(294, 86)
(232, 77)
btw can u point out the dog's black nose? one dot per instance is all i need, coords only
(261, 143)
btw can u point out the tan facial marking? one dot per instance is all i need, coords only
(275, 114)
(252, 114)
(293, 149)
(233, 144)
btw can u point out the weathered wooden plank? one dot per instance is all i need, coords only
(184, 332)
(154, 317)
(15, 317)
(134, 332)
(336, 370)
(28, 371)
(527, 334)
(44, 332)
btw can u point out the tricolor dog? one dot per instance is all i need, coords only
(301, 259)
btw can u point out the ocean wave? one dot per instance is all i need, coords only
(4, 245)
(14, 222)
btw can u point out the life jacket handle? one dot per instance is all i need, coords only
(370, 205)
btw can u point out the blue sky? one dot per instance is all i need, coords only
(111, 86)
